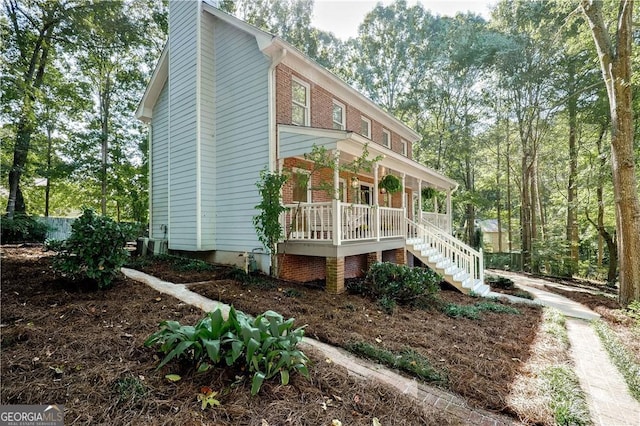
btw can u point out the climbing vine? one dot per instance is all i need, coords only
(267, 223)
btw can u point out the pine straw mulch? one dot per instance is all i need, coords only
(68, 343)
(480, 358)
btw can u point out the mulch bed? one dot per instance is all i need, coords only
(66, 342)
(480, 358)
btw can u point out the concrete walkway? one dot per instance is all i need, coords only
(424, 394)
(607, 394)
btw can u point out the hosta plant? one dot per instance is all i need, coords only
(266, 345)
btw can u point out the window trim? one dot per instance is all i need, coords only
(364, 119)
(404, 147)
(388, 133)
(307, 106)
(344, 115)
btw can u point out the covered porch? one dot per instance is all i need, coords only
(355, 217)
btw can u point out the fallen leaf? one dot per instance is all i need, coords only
(172, 377)
(328, 361)
(376, 422)
(157, 299)
(264, 423)
(379, 340)
(336, 422)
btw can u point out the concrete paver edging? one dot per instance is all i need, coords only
(424, 394)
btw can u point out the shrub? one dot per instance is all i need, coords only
(499, 282)
(401, 283)
(21, 229)
(267, 344)
(95, 249)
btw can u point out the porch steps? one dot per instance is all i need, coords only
(455, 275)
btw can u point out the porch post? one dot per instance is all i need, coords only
(449, 211)
(404, 194)
(419, 220)
(376, 205)
(335, 203)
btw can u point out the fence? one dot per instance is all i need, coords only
(504, 261)
(59, 228)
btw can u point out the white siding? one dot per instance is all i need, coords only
(242, 134)
(207, 142)
(160, 166)
(183, 17)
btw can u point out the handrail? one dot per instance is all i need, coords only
(463, 256)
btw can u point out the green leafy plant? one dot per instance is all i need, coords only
(267, 223)
(22, 228)
(267, 344)
(387, 304)
(208, 397)
(428, 192)
(390, 183)
(499, 282)
(454, 310)
(568, 401)
(407, 360)
(633, 311)
(130, 389)
(292, 292)
(95, 249)
(401, 283)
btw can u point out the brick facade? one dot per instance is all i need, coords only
(321, 109)
(335, 275)
(301, 268)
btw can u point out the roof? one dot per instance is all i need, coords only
(274, 46)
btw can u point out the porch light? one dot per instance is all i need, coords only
(355, 182)
(383, 190)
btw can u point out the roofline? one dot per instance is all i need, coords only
(268, 44)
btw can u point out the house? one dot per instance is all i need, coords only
(495, 238)
(228, 100)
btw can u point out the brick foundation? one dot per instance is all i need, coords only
(335, 275)
(401, 256)
(301, 268)
(373, 257)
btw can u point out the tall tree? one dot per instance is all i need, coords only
(36, 27)
(614, 53)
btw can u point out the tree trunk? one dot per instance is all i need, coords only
(572, 186)
(525, 214)
(615, 62)
(47, 189)
(509, 228)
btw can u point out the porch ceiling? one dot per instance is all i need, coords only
(295, 141)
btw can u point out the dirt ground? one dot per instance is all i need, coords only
(479, 358)
(66, 342)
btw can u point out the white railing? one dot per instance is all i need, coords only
(438, 220)
(316, 222)
(306, 221)
(463, 256)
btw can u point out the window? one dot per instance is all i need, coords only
(366, 194)
(301, 186)
(338, 115)
(386, 138)
(299, 103)
(365, 127)
(403, 147)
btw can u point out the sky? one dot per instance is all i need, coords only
(342, 17)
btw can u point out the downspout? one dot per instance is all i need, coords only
(273, 149)
(150, 176)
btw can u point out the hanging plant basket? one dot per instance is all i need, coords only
(428, 193)
(390, 183)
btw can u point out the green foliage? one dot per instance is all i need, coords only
(130, 389)
(622, 357)
(568, 401)
(633, 311)
(266, 345)
(255, 279)
(400, 283)
(499, 282)
(428, 192)
(267, 223)
(408, 360)
(390, 183)
(94, 250)
(523, 294)
(292, 292)
(454, 310)
(387, 304)
(22, 228)
(193, 265)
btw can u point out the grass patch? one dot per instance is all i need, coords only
(568, 402)
(130, 389)
(621, 357)
(473, 311)
(408, 360)
(256, 280)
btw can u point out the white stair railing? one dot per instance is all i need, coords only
(460, 254)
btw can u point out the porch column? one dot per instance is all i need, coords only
(376, 204)
(404, 194)
(375, 184)
(335, 275)
(449, 211)
(419, 220)
(336, 175)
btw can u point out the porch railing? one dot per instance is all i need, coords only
(462, 255)
(438, 220)
(317, 222)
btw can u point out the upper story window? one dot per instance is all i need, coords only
(386, 138)
(299, 102)
(301, 186)
(338, 116)
(403, 147)
(365, 127)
